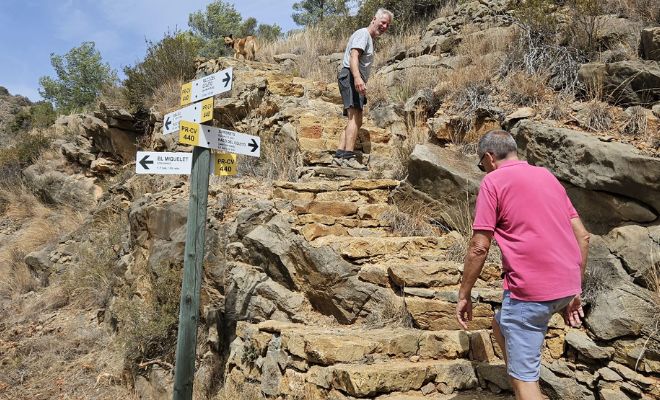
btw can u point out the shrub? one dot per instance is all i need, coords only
(93, 276)
(524, 89)
(147, 326)
(81, 74)
(42, 115)
(25, 152)
(169, 60)
(406, 12)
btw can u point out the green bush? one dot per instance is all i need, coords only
(406, 12)
(172, 58)
(81, 74)
(25, 152)
(42, 115)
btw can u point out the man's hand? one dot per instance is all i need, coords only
(464, 312)
(573, 313)
(360, 86)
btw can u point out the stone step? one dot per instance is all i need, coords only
(403, 247)
(463, 395)
(363, 363)
(331, 172)
(350, 344)
(430, 279)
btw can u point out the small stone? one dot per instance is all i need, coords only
(609, 375)
(443, 388)
(414, 359)
(428, 388)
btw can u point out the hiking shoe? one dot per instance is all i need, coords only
(336, 161)
(353, 163)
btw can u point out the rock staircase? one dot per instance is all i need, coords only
(415, 350)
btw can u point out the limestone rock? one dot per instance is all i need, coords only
(439, 315)
(587, 347)
(586, 162)
(625, 82)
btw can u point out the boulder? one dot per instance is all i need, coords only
(448, 177)
(613, 31)
(601, 212)
(608, 287)
(330, 284)
(649, 45)
(586, 162)
(637, 248)
(625, 82)
(587, 347)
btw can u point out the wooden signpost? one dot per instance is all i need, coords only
(204, 138)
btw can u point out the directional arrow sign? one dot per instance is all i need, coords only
(197, 112)
(207, 86)
(151, 162)
(220, 139)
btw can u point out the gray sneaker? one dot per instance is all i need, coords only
(353, 163)
(337, 161)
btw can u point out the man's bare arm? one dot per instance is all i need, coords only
(582, 236)
(360, 86)
(474, 263)
(573, 312)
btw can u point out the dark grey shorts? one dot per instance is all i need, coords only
(350, 96)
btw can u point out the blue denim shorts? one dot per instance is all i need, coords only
(524, 325)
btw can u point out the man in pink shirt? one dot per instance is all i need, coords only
(544, 253)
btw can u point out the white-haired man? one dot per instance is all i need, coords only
(356, 65)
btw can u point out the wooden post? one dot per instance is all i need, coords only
(186, 344)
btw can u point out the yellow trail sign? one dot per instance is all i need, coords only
(225, 164)
(189, 133)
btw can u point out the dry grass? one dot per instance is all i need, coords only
(275, 163)
(403, 150)
(525, 89)
(167, 97)
(33, 225)
(598, 117)
(557, 107)
(308, 44)
(636, 123)
(413, 217)
(90, 279)
(478, 43)
(393, 314)
(113, 97)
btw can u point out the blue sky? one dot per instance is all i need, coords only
(33, 29)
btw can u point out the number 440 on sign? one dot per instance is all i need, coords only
(189, 133)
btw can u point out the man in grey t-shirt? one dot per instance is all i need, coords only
(358, 58)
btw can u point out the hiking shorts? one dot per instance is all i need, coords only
(524, 325)
(349, 95)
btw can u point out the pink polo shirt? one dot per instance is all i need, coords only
(530, 215)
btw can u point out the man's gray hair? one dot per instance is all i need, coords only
(381, 12)
(497, 142)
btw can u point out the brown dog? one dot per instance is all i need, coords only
(247, 46)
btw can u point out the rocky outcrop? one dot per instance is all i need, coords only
(588, 163)
(624, 82)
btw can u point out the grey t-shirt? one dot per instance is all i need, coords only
(360, 39)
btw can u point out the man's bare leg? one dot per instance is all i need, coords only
(526, 390)
(348, 137)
